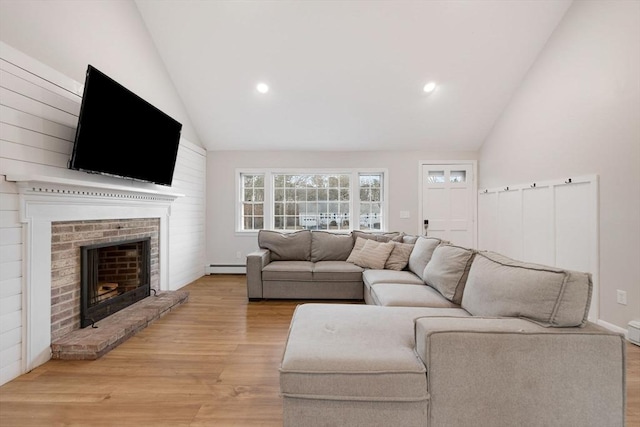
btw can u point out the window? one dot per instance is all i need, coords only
(436, 177)
(458, 176)
(337, 201)
(318, 201)
(252, 201)
(370, 201)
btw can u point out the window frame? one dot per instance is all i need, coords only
(269, 194)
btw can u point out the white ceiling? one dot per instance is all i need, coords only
(348, 75)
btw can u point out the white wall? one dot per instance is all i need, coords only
(577, 112)
(403, 175)
(67, 35)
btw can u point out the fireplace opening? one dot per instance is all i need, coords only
(114, 275)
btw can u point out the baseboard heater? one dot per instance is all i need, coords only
(226, 269)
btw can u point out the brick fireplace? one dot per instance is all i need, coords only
(67, 238)
(57, 215)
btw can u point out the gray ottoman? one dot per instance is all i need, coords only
(354, 365)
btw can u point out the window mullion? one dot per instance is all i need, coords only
(354, 221)
(269, 200)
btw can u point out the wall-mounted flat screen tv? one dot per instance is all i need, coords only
(123, 135)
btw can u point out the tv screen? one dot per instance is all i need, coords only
(121, 134)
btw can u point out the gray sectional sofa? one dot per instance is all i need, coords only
(315, 264)
(455, 337)
(303, 265)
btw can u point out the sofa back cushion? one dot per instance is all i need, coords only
(378, 236)
(498, 286)
(409, 238)
(421, 254)
(295, 246)
(327, 246)
(448, 269)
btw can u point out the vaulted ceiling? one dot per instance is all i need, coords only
(348, 75)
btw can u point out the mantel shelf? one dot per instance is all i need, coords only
(50, 185)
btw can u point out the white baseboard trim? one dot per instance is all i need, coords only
(226, 269)
(612, 327)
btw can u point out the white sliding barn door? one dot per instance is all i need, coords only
(448, 202)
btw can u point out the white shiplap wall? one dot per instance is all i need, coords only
(187, 232)
(10, 284)
(38, 114)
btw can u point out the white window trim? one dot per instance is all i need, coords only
(354, 202)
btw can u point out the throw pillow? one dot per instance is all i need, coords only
(372, 255)
(354, 256)
(399, 257)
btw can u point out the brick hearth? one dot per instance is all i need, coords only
(91, 343)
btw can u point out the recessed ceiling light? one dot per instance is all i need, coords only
(429, 87)
(262, 87)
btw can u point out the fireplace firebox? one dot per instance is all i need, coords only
(114, 275)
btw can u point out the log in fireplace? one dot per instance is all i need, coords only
(114, 275)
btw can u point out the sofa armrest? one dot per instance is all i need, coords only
(256, 261)
(506, 372)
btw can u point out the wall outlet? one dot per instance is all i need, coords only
(238, 255)
(621, 297)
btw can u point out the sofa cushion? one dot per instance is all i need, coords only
(326, 246)
(294, 246)
(421, 254)
(312, 290)
(373, 254)
(397, 295)
(409, 238)
(378, 236)
(336, 271)
(448, 269)
(371, 277)
(399, 257)
(499, 286)
(288, 270)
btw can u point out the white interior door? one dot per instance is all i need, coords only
(448, 195)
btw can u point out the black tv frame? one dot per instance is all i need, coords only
(121, 134)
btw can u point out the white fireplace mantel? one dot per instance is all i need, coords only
(44, 200)
(57, 186)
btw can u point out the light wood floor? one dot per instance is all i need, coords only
(212, 362)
